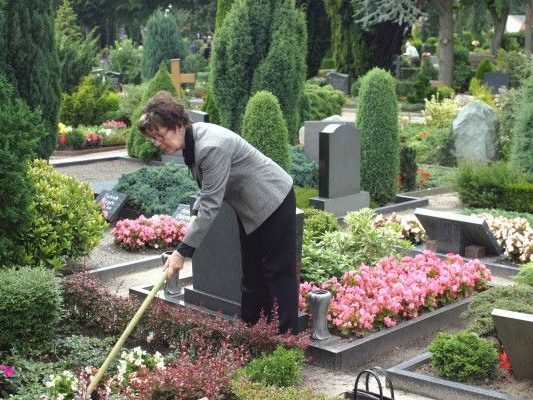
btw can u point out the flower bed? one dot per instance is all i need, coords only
(393, 290)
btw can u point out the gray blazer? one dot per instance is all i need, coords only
(231, 169)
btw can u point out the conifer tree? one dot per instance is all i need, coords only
(30, 62)
(522, 144)
(162, 42)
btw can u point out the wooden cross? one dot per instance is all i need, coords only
(177, 77)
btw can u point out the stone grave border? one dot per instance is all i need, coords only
(411, 200)
(438, 388)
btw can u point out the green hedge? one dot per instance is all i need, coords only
(30, 307)
(321, 102)
(519, 197)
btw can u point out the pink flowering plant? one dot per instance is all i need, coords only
(377, 297)
(159, 231)
(6, 373)
(110, 123)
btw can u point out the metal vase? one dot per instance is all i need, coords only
(172, 286)
(319, 303)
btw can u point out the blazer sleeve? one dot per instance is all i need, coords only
(215, 166)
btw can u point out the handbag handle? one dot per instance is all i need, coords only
(367, 373)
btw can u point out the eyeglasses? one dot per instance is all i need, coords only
(157, 138)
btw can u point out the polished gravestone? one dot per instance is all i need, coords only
(216, 264)
(312, 131)
(496, 81)
(339, 181)
(453, 233)
(112, 204)
(515, 331)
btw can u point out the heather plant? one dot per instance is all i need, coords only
(66, 199)
(304, 170)
(280, 368)
(159, 231)
(157, 190)
(380, 144)
(462, 356)
(264, 128)
(30, 307)
(440, 114)
(518, 298)
(381, 296)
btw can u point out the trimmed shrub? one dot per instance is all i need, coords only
(130, 101)
(264, 128)
(321, 101)
(30, 308)
(50, 243)
(157, 190)
(440, 113)
(445, 92)
(210, 107)
(76, 51)
(125, 57)
(138, 145)
(525, 275)
(408, 167)
(484, 66)
(20, 130)
(318, 222)
(304, 170)
(517, 298)
(281, 368)
(507, 106)
(30, 61)
(461, 69)
(519, 197)
(380, 143)
(162, 42)
(90, 104)
(463, 355)
(522, 143)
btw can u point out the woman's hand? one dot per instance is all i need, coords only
(174, 263)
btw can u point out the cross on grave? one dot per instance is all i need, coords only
(177, 77)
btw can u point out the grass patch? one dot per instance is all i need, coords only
(303, 194)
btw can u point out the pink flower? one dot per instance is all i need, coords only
(8, 370)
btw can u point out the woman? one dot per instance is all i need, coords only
(260, 192)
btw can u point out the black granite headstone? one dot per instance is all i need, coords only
(112, 203)
(453, 232)
(496, 80)
(339, 81)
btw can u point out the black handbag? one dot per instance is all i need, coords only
(366, 394)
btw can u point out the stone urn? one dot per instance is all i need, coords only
(319, 303)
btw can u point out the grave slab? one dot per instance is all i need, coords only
(454, 232)
(515, 330)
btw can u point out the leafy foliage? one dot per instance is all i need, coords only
(517, 298)
(525, 275)
(440, 114)
(281, 368)
(507, 107)
(30, 62)
(125, 57)
(380, 144)
(321, 102)
(461, 69)
(157, 190)
(65, 199)
(304, 170)
(78, 351)
(522, 144)
(20, 130)
(463, 355)
(76, 51)
(243, 389)
(90, 104)
(318, 222)
(30, 307)
(162, 42)
(264, 128)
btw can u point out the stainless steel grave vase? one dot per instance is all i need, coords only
(172, 286)
(319, 303)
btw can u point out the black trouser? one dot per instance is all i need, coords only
(269, 268)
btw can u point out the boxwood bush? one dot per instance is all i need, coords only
(67, 222)
(304, 170)
(318, 222)
(281, 368)
(264, 128)
(158, 190)
(30, 307)
(321, 101)
(463, 355)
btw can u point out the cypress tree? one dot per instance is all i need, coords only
(138, 146)
(264, 128)
(20, 131)
(30, 61)
(522, 144)
(162, 41)
(223, 7)
(380, 144)
(260, 46)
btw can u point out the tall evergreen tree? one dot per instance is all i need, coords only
(30, 62)
(223, 7)
(77, 53)
(522, 145)
(260, 46)
(162, 41)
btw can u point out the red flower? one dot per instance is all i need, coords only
(505, 362)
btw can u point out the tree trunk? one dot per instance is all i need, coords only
(444, 10)
(529, 21)
(499, 20)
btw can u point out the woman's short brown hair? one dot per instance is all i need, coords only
(163, 110)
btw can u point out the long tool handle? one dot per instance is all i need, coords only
(114, 351)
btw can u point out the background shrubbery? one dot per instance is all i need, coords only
(320, 102)
(304, 170)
